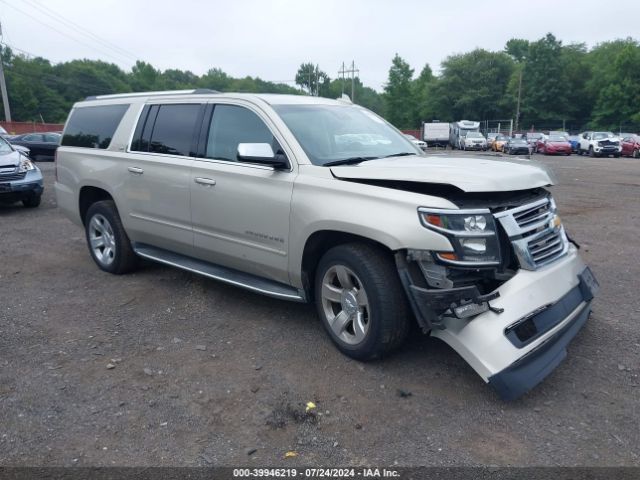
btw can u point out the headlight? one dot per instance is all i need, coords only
(25, 165)
(472, 234)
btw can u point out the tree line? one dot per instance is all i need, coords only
(556, 83)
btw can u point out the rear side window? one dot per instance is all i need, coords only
(34, 137)
(167, 129)
(93, 127)
(232, 125)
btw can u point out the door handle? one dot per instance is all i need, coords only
(136, 170)
(209, 182)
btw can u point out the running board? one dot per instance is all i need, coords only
(223, 274)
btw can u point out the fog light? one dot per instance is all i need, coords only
(474, 245)
(470, 309)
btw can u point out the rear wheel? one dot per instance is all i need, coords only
(636, 153)
(108, 242)
(361, 301)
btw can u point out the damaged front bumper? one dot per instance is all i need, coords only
(523, 336)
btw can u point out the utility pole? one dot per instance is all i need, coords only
(518, 104)
(3, 85)
(353, 70)
(342, 71)
(353, 78)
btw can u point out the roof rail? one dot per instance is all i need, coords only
(197, 91)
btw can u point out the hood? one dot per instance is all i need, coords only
(21, 148)
(11, 159)
(480, 174)
(558, 142)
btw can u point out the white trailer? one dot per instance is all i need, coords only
(435, 134)
(458, 130)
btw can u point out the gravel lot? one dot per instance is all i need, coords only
(207, 374)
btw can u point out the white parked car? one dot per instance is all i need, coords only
(473, 141)
(598, 144)
(418, 143)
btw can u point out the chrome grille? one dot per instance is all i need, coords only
(10, 173)
(533, 216)
(537, 238)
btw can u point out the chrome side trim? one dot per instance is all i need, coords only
(161, 222)
(220, 273)
(245, 243)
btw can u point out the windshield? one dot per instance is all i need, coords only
(329, 133)
(474, 135)
(502, 137)
(5, 147)
(557, 138)
(519, 140)
(602, 135)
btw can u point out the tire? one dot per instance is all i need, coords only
(591, 152)
(636, 153)
(32, 201)
(107, 240)
(357, 285)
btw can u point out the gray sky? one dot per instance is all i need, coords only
(270, 39)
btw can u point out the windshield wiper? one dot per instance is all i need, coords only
(348, 161)
(401, 154)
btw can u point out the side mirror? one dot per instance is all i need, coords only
(261, 153)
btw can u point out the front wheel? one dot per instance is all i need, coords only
(636, 153)
(360, 301)
(108, 242)
(32, 201)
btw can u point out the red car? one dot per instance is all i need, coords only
(631, 146)
(554, 145)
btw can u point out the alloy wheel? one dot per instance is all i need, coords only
(102, 239)
(345, 304)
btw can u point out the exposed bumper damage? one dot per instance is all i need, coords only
(526, 323)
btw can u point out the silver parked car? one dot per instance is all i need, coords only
(316, 200)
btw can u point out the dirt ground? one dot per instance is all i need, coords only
(207, 374)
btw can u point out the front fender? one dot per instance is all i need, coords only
(384, 215)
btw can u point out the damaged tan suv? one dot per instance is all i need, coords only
(310, 199)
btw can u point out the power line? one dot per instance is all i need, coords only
(80, 29)
(12, 47)
(63, 33)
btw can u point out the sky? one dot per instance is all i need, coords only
(271, 38)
